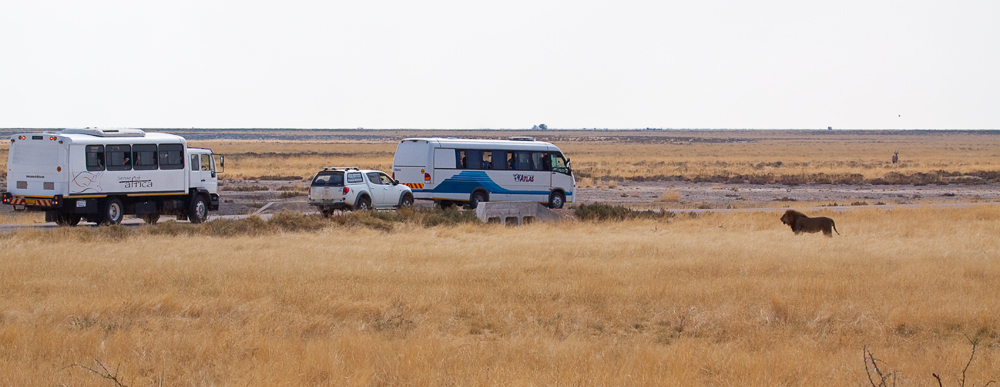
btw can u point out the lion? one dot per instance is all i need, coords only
(800, 223)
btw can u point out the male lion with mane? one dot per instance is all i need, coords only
(801, 223)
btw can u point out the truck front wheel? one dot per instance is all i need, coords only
(199, 210)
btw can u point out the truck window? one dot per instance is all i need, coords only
(171, 156)
(373, 178)
(95, 157)
(386, 180)
(194, 163)
(144, 157)
(355, 177)
(119, 157)
(207, 163)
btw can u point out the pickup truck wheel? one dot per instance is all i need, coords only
(406, 201)
(150, 219)
(363, 204)
(113, 211)
(199, 210)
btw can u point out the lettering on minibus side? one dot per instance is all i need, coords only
(524, 178)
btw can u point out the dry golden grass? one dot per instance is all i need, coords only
(22, 217)
(725, 299)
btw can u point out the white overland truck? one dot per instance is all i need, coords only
(103, 174)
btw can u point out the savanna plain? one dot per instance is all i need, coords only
(434, 297)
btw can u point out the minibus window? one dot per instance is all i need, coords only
(119, 157)
(95, 157)
(558, 163)
(144, 157)
(536, 161)
(460, 160)
(487, 160)
(475, 159)
(499, 159)
(523, 162)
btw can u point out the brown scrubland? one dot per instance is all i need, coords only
(382, 299)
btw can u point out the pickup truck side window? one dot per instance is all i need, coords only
(386, 180)
(373, 178)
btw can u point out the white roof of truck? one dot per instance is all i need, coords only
(110, 136)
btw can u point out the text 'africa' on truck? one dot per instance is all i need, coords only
(101, 175)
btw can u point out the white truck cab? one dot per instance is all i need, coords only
(103, 174)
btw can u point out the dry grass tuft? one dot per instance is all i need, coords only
(670, 195)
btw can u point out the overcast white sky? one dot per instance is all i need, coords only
(511, 64)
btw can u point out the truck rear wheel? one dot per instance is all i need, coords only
(113, 211)
(199, 210)
(65, 219)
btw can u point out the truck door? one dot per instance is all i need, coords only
(203, 172)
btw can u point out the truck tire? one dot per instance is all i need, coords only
(363, 204)
(557, 200)
(67, 219)
(113, 211)
(198, 213)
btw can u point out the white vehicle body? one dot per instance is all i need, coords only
(473, 171)
(102, 174)
(337, 188)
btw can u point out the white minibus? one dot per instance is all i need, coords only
(450, 171)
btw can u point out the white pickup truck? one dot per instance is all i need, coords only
(338, 188)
